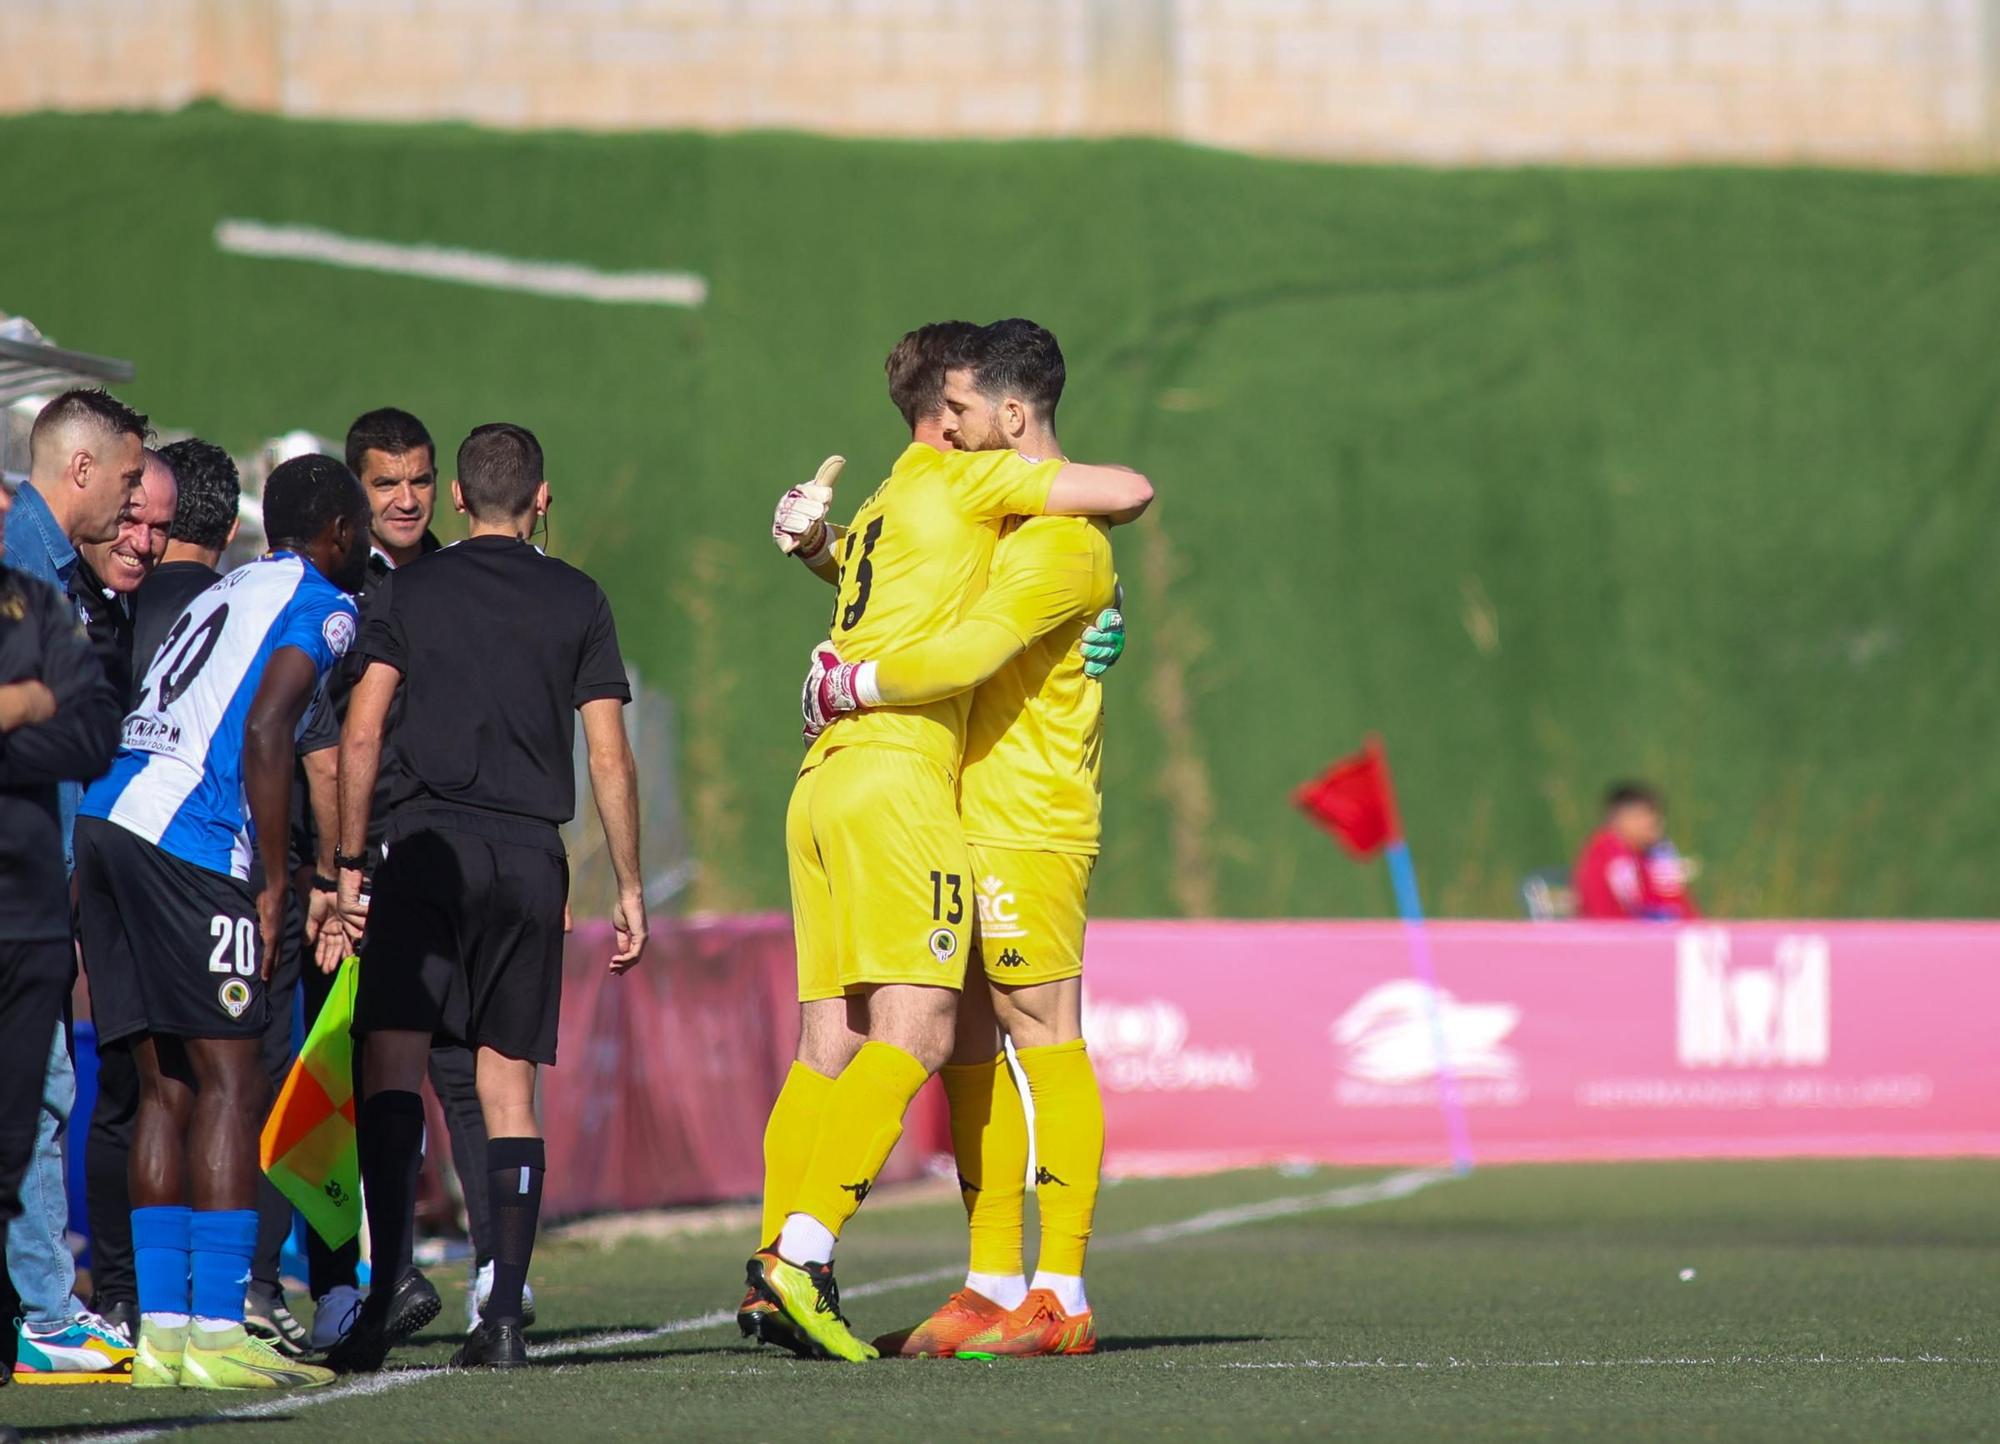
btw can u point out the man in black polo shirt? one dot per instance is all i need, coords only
(392, 453)
(108, 573)
(203, 525)
(472, 890)
(59, 715)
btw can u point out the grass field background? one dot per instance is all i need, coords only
(1831, 1301)
(1550, 476)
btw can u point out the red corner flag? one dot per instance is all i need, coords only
(1353, 800)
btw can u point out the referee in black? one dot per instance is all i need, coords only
(496, 648)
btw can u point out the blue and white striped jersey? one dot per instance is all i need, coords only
(178, 778)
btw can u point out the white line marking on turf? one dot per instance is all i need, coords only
(468, 268)
(1728, 1361)
(1353, 1195)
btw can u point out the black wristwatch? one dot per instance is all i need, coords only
(344, 861)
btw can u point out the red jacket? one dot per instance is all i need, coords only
(1613, 881)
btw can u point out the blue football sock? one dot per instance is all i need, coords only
(160, 1259)
(221, 1245)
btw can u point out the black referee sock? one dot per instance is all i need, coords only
(390, 1140)
(514, 1185)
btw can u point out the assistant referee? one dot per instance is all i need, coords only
(496, 648)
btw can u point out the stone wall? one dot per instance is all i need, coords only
(1871, 82)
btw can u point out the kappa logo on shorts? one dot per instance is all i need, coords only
(944, 945)
(1011, 959)
(234, 996)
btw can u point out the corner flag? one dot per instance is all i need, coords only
(307, 1148)
(1355, 800)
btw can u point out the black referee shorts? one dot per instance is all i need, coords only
(467, 910)
(170, 948)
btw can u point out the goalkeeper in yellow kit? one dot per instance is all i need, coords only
(1030, 804)
(882, 882)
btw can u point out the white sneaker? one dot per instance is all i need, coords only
(482, 1290)
(333, 1316)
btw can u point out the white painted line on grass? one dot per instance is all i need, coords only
(1354, 1195)
(1720, 1361)
(467, 268)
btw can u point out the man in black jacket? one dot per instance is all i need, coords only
(59, 716)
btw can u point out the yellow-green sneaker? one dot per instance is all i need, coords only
(234, 1360)
(156, 1363)
(808, 1297)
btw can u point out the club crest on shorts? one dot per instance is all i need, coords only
(234, 996)
(944, 944)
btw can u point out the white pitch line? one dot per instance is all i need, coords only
(1354, 1195)
(1728, 1361)
(462, 267)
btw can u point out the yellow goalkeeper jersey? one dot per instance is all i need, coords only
(1034, 745)
(914, 559)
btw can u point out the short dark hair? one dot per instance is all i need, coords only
(89, 403)
(388, 430)
(916, 366)
(1631, 794)
(209, 491)
(499, 469)
(1019, 358)
(304, 495)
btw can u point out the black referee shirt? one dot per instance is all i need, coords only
(498, 646)
(158, 604)
(41, 640)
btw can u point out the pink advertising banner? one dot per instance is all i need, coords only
(1222, 1044)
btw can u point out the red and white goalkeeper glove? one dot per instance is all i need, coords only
(833, 689)
(799, 524)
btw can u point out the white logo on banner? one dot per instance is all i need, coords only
(1780, 1016)
(1143, 1047)
(1389, 1037)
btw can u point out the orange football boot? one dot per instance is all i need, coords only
(964, 1314)
(1039, 1326)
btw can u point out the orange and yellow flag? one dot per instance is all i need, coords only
(308, 1144)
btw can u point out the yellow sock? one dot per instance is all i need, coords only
(859, 1124)
(989, 1134)
(1069, 1150)
(789, 1135)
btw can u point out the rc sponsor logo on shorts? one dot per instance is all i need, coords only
(338, 629)
(235, 997)
(1389, 1039)
(999, 915)
(1145, 1048)
(944, 944)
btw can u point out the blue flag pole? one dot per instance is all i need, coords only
(1403, 874)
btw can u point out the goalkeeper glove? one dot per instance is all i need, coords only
(799, 525)
(833, 689)
(1104, 643)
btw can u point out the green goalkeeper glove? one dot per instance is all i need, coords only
(1104, 643)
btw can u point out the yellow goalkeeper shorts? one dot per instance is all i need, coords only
(1032, 907)
(881, 884)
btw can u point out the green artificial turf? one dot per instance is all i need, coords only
(1831, 1301)
(1552, 477)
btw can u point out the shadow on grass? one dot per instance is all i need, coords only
(1129, 1343)
(171, 1423)
(626, 1356)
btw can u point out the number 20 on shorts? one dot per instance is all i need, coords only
(243, 933)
